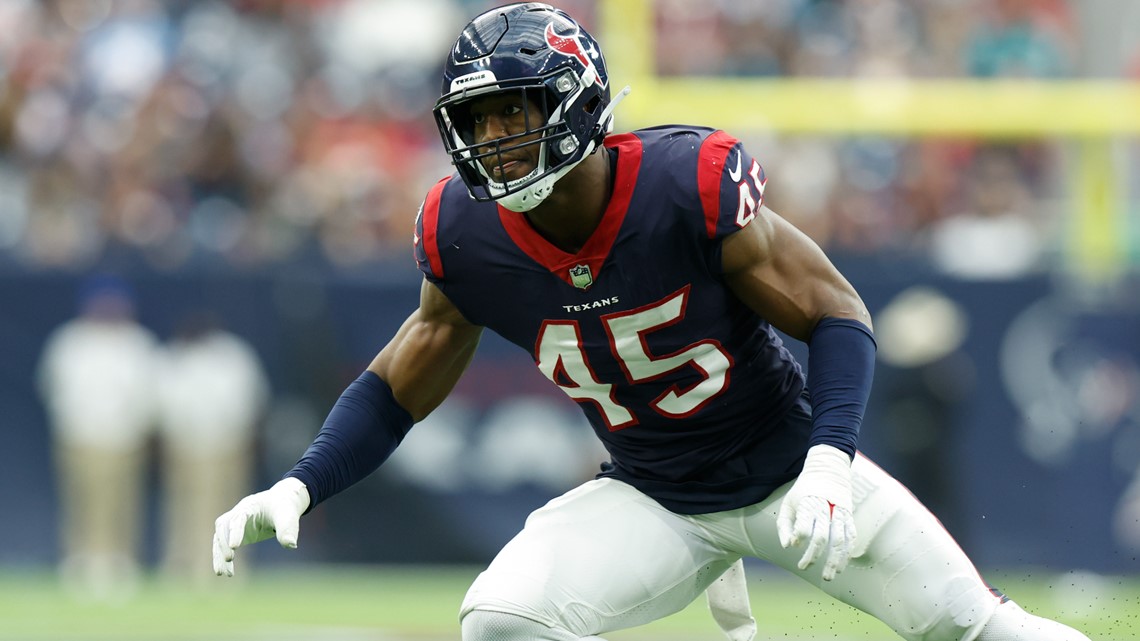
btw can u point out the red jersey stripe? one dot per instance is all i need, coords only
(430, 223)
(710, 166)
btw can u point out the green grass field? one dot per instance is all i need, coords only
(420, 604)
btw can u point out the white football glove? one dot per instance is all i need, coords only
(258, 517)
(817, 509)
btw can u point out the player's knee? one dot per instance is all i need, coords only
(1010, 623)
(485, 625)
(953, 608)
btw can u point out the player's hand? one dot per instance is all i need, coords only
(258, 517)
(817, 509)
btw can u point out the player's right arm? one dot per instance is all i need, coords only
(408, 379)
(428, 354)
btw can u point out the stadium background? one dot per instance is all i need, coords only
(971, 165)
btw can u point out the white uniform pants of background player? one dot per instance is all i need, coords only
(606, 557)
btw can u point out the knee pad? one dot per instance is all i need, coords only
(487, 625)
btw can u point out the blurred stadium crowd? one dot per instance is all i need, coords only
(251, 163)
(175, 134)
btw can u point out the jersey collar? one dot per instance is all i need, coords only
(593, 253)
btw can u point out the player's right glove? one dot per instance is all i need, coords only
(818, 509)
(276, 511)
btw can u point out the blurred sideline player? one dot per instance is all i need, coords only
(212, 391)
(97, 375)
(644, 275)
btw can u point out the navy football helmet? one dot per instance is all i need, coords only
(552, 62)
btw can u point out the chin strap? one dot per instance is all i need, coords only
(608, 111)
(530, 197)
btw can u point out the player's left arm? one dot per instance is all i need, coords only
(782, 275)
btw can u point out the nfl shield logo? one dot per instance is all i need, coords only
(580, 276)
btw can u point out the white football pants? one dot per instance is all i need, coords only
(606, 557)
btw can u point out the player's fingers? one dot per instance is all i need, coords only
(815, 545)
(838, 551)
(222, 565)
(220, 529)
(222, 534)
(849, 531)
(807, 513)
(830, 569)
(287, 525)
(235, 530)
(812, 525)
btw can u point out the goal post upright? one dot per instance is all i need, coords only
(1093, 114)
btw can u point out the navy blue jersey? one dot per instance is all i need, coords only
(694, 396)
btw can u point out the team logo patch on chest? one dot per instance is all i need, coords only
(581, 277)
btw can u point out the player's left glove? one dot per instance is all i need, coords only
(817, 509)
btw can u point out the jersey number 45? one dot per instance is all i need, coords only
(562, 358)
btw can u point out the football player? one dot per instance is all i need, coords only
(646, 277)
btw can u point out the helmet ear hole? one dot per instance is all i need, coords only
(568, 145)
(591, 107)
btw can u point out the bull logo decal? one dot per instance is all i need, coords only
(570, 45)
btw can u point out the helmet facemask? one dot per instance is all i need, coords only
(566, 129)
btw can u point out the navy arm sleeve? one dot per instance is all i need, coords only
(841, 365)
(361, 431)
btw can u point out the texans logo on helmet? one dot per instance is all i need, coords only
(569, 45)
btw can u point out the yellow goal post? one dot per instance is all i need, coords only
(1094, 114)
